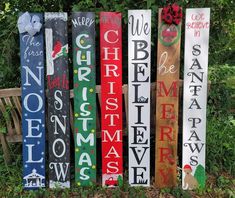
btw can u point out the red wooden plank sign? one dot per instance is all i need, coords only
(111, 97)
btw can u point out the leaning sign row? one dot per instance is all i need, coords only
(31, 27)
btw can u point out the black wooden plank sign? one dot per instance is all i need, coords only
(33, 105)
(58, 99)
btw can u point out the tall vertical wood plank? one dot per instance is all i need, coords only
(139, 68)
(33, 102)
(195, 97)
(111, 97)
(168, 67)
(58, 99)
(83, 36)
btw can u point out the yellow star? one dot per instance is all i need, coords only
(79, 184)
(77, 149)
(91, 90)
(82, 42)
(83, 57)
(75, 71)
(93, 167)
(93, 130)
(76, 115)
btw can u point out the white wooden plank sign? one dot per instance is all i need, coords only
(139, 57)
(195, 97)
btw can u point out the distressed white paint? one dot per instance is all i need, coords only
(59, 15)
(196, 36)
(140, 19)
(49, 49)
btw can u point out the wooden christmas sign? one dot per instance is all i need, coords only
(83, 33)
(33, 99)
(195, 97)
(139, 67)
(168, 67)
(111, 97)
(58, 99)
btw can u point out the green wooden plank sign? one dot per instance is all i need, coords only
(83, 34)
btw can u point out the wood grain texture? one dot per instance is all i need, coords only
(168, 67)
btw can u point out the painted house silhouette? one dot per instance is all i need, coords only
(34, 179)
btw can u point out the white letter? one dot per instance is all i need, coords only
(63, 145)
(30, 127)
(78, 41)
(40, 102)
(58, 100)
(81, 76)
(111, 138)
(84, 122)
(57, 120)
(83, 176)
(62, 171)
(111, 68)
(106, 53)
(85, 158)
(36, 79)
(112, 104)
(112, 151)
(111, 118)
(30, 154)
(89, 139)
(106, 36)
(112, 167)
(83, 111)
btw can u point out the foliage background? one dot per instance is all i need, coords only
(221, 98)
(222, 31)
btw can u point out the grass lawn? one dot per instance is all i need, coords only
(222, 185)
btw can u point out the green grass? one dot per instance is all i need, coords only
(11, 186)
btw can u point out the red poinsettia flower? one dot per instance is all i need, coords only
(177, 15)
(172, 14)
(176, 21)
(175, 7)
(166, 9)
(168, 19)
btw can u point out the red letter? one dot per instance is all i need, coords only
(167, 153)
(168, 113)
(167, 131)
(173, 89)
